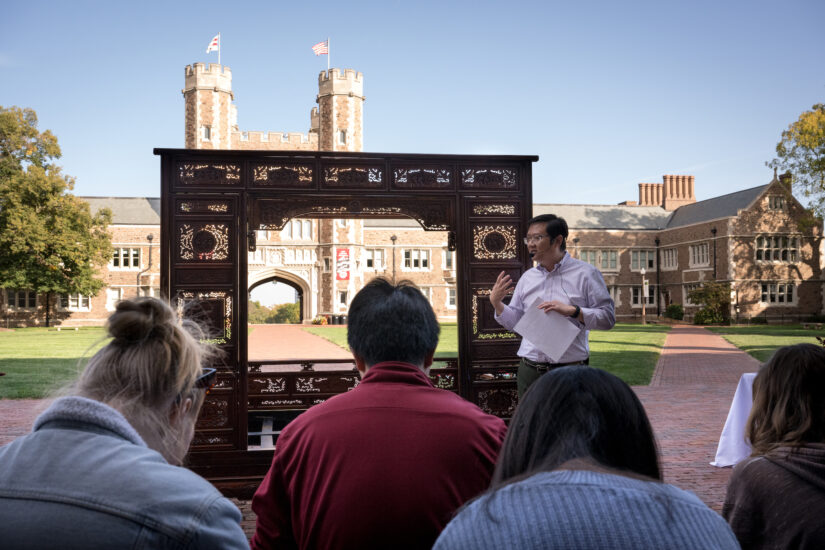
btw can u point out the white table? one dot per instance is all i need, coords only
(732, 445)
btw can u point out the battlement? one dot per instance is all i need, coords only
(201, 75)
(338, 82)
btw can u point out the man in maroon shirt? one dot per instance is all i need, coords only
(387, 464)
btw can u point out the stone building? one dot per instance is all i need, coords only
(760, 240)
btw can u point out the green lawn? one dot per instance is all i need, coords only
(760, 341)
(38, 360)
(628, 351)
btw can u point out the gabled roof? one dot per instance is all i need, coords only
(605, 216)
(128, 210)
(725, 206)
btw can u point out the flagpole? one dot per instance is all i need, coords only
(219, 48)
(328, 54)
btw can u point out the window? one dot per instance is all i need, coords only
(777, 249)
(206, 133)
(589, 256)
(670, 258)
(778, 293)
(699, 255)
(342, 297)
(451, 297)
(342, 137)
(637, 294)
(608, 259)
(297, 231)
(776, 202)
(75, 302)
(307, 229)
(21, 299)
(375, 258)
(688, 288)
(417, 259)
(327, 264)
(642, 259)
(113, 296)
(244, 136)
(449, 259)
(126, 258)
(343, 223)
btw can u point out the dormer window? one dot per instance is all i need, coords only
(776, 202)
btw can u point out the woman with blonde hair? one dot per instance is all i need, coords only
(776, 498)
(101, 468)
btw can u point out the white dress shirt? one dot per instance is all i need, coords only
(572, 282)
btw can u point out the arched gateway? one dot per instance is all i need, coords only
(214, 201)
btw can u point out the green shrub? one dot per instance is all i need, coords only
(675, 311)
(715, 300)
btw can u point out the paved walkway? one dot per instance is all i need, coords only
(687, 400)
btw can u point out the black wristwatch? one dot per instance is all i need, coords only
(576, 313)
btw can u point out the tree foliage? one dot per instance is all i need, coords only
(258, 314)
(49, 240)
(801, 152)
(715, 300)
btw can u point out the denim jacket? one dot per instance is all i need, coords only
(84, 478)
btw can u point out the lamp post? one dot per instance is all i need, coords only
(644, 295)
(393, 238)
(149, 238)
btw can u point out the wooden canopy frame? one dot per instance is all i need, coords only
(213, 202)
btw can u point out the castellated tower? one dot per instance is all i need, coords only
(212, 119)
(341, 110)
(210, 115)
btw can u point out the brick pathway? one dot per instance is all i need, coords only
(687, 401)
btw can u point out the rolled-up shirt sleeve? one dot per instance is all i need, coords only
(600, 312)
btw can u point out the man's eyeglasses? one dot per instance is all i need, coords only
(207, 379)
(534, 238)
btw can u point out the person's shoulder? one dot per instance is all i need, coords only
(753, 466)
(460, 407)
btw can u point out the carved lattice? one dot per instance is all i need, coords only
(422, 178)
(482, 296)
(204, 207)
(498, 401)
(358, 177)
(494, 209)
(209, 174)
(495, 242)
(283, 175)
(209, 242)
(489, 178)
(211, 308)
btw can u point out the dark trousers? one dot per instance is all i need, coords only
(528, 374)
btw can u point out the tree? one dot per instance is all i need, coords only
(286, 314)
(802, 153)
(715, 300)
(50, 243)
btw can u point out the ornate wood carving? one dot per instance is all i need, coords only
(354, 177)
(191, 275)
(495, 242)
(484, 325)
(283, 176)
(211, 308)
(195, 206)
(214, 413)
(204, 242)
(495, 209)
(489, 178)
(498, 401)
(422, 178)
(208, 173)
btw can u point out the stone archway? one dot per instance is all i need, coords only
(294, 280)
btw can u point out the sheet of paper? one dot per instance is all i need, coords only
(551, 332)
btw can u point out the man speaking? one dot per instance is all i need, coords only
(570, 287)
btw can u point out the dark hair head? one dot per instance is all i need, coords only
(789, 399)
(391, 323)
(555, 226)
(578, 413)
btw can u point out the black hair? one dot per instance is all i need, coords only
(391, 322)
(555, 226)
(579, 414)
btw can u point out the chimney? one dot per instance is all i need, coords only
(678, 191)
(786, 180)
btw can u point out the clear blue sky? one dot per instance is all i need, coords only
(608, 94)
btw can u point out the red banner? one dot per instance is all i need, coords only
(342, 262)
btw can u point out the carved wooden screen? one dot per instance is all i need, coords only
(212, 202)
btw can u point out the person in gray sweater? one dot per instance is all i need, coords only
(101, 469)
(776, 498)
(580, 469)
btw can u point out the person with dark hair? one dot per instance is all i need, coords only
(387, 464)
(579, 469)
(565, 285)
(776, 498)
(101, 468)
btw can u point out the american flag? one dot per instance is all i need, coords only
(321, 48)
(215, 44)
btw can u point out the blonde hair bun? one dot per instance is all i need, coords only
(139, 320)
